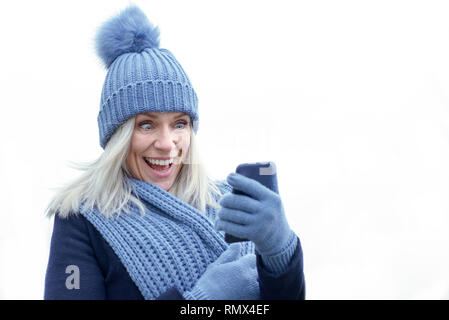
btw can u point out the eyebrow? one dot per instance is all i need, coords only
(157, 116)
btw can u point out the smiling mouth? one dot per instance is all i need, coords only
(159, 165)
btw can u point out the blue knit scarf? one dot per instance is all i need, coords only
(170, 246)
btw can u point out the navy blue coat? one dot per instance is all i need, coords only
(75, 241)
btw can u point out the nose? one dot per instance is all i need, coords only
(166, 140)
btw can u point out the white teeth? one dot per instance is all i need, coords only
(160, 162)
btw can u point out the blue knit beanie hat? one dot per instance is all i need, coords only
(141, 77)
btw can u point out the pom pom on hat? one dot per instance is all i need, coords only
(129, 31)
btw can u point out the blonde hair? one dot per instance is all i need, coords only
(104, 184)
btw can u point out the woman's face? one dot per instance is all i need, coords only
(163, 137)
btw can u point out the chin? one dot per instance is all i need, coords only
(164, 185)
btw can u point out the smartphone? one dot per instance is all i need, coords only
(265, 173)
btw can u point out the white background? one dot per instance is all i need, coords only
(349, 98)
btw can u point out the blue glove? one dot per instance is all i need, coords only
(230, 277)
(258, 217)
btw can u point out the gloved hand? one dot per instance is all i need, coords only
(230, 277)
(258, 217)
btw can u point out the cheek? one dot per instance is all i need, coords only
(130, 159)
(185, 143)
(138, 144)
(135, 148)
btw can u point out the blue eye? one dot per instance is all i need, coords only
(145, 126)
(183, 124)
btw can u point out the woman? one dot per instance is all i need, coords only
(143, 222)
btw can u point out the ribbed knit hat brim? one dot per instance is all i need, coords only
(145, 96)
